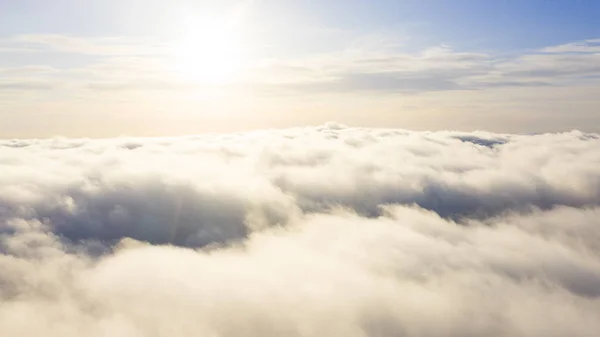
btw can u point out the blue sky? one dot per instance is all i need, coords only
(491, 24)
(418, 64)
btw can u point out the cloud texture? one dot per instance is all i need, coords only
(324, 231)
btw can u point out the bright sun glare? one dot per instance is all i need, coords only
(209, 52)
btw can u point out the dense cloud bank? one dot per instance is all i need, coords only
(326, 231)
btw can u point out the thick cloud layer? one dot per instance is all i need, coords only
(326, 231)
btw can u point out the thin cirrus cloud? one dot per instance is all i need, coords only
(116, 82)
(25, 85)
(303, 232)
(99, 46)
(388, 70)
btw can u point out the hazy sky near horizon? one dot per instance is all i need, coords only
(106, 68)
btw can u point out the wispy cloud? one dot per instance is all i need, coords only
(359, 68)
(435, 78)
(585, 46)
(28, 70)
(107, 46)
(25, 84)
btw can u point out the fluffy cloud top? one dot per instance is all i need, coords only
(319, 231)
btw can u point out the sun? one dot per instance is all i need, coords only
(208, 52)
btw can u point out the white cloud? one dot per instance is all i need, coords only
(586, 46)
(368, 64)
(108, 46)
(302, 232)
